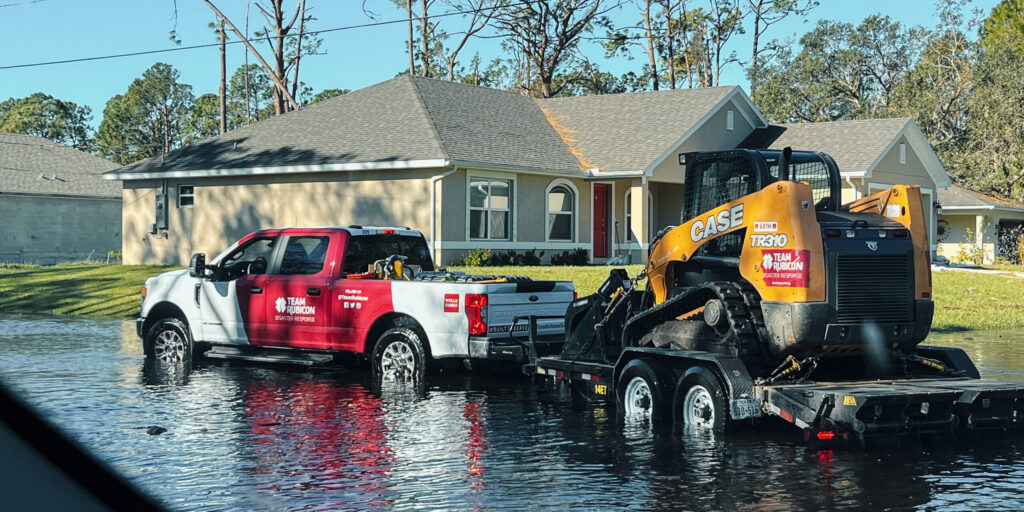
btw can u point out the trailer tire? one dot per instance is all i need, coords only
(168, 340)
(398, 356)
(699, 401)
(641, 391)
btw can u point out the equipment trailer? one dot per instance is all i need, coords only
(769, 282)
(716, 392)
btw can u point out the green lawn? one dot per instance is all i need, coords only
(963, 300)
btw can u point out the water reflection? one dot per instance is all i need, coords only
(244, 437)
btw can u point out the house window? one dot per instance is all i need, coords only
(186, 196)
(903, 153)
(629, 217)
(561, 213)
(729, 121)
(490, 209)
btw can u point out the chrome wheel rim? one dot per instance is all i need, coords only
(169, 346)
(698, 408)
(638, 399)
(397, 363)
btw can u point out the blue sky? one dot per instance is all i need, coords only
(47, 30)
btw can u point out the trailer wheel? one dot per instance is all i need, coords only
(398, 356)
(642, 391)
(699, 401)
(168, 340)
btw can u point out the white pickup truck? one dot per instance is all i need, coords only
(315, 292)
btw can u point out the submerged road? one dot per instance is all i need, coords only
(243, 437)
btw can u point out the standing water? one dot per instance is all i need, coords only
(243, 437)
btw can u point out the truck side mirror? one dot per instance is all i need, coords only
(197, 267)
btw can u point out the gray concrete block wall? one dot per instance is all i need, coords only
(48, 230)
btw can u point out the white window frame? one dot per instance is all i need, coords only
(730, 120)
(513, 204)
(191, 195)
(575, 222)
(628, 235)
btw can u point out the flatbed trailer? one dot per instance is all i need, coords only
(858, 412)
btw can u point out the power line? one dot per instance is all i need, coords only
(22, 3)
(212, 45)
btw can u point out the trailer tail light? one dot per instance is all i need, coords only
(826, 435)
(476, 314)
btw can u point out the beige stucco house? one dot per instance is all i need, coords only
(473, 167)
(971, 221)
(54, 204)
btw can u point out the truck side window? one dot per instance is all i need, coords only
(304, 255)
(363, 250)
(238, 263)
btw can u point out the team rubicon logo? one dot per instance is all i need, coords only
(281, 305)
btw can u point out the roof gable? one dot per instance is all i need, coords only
(857, 146)
(632, 131)
(34, 165)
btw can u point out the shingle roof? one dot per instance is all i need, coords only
(855, 145)
(627, 132)
(24, 159)
(413, 118)
(959, 197)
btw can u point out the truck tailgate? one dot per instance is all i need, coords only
(503, 308)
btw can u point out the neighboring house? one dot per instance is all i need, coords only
(54, 204)
(469, 166)
(971, 220)
(872, 155)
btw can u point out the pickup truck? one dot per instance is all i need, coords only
(322, 291)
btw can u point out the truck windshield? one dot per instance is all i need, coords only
(363, 250)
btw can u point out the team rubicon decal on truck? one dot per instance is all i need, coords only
(294, 309)
(786, 267)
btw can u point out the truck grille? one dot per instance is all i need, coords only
(874, 287)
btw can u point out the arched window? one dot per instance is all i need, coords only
(561, 199)
(629, 216)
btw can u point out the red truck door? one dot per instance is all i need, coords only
(297, 294)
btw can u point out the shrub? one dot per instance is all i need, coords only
(574, 258)
(970, 251)
(489, 258)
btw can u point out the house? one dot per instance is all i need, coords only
(972, 221)
(54, 204)
(471, 167)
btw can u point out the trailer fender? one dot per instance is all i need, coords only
(730, 372)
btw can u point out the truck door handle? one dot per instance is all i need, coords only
(256, 290)
(315, 292)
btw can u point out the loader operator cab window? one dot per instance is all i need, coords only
(810, 168)
(713, 182)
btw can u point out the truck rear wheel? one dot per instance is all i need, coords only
(398, 356)
(168, 340)
(699, 401)
(642, 391)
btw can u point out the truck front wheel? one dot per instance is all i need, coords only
(398, 356)
(699, 401)
(642, 391)
(168, 340)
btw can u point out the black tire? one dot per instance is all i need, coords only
(399, 356)
(707, 401)
(642, 391)
(168, 340)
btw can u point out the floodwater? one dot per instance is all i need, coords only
(244, 437)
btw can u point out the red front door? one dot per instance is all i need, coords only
(601, 196)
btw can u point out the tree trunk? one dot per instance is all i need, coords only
(670, 46)
(425, 58)
(298, 48)
(753, 56)
(412, 53)
(223, 79)
(248, 105)
(650, 45)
